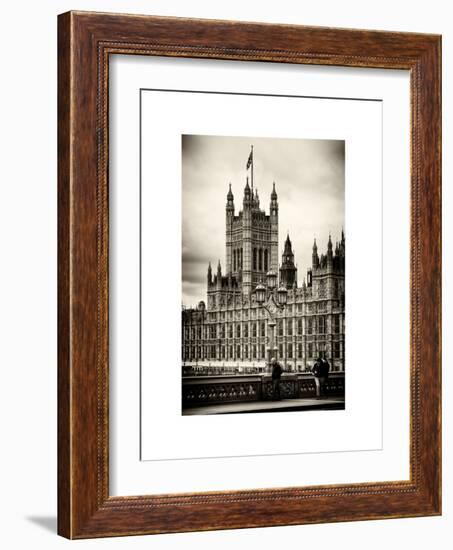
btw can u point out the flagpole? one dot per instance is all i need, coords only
(252, 171)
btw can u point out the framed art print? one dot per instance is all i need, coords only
(249, 275)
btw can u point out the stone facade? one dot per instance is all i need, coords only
(230, 332)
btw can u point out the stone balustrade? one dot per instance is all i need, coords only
(199, 390)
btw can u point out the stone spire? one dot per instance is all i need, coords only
(314, 256)
(288, 270)
(247, 195)
(274, 192)
(219, 275)
(329, 252)
(230, 196)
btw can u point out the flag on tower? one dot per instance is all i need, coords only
(250, 160)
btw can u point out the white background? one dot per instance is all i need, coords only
(28, 276)
(359, 427)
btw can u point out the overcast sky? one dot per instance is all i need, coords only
(309, 178)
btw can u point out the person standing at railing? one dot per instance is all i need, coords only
(276, 376)
(320, 371)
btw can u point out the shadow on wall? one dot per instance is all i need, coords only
(49, 523)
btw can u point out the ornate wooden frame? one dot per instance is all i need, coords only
(85, 41)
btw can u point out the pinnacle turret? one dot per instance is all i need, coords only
(329, 252)
(329, 243)
(248, 196)
(274, 192)
(256, 199)
(314, 256)
(230, 195)
(288, 270)
(288, 246)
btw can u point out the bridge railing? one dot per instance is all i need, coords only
(199, 390)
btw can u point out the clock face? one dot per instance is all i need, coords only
(272, 307)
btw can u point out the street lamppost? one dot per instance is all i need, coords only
(272, 300)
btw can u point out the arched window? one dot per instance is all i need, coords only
(234, 260)
(260, 266)
(289, 325)
(337, 350)
(241, 259)
(299, 351)
(266, 261)
(336, 324)
(254, 259)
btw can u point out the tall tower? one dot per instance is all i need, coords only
(288, 270)
(274, 230)
(251, 239)
(229, 219)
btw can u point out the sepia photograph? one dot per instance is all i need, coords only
(263, 275)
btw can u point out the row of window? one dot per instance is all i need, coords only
(290, 309)
(314, 325)
(236, 301)
(258, 352)
(260, 260)
(237, 259)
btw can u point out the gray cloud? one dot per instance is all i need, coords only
(309, 176)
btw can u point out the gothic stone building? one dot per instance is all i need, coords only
(230, 333)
